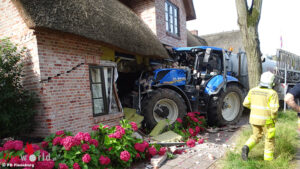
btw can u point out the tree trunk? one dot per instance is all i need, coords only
(248, 19)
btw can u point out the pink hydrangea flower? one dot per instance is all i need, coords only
(202, 117)
(95, 142)
(15, 160)
(35, 147)
(87, 137)
(200, 122)
(18, 145)
(86, 158)
(152, 151)
(179, 120)
(2, 161)
(61, 132)
(138, 155)
(120, 129)
(95, 128)
(57, 141)
(83, 137)
(44, 164)
(134, 126)
(44, 144)
(68, 142)
(190, 143)
(117, 135)
(197, 113)
(162, 151)
(191, 114)
(146, 144)
(9, 145)
(139, 147)
(85, 147)
(201, 141)
(79, 136)
(197, 129)
(63, 166)
(43, 153)
(194, 119)
(191, 131)
(104, 160)
(109, 149)
(76, 166)
(1, 149)
(106, 126)
(125, 156)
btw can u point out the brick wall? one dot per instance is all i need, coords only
(65, 100)
(145, 9)
(161, 24)
(13, 27)
(152, 12)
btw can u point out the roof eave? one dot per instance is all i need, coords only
(190, 10)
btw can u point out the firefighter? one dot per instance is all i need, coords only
(263, 103)
(290, 98)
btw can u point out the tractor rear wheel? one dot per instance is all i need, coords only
(226, 108)
(162, 104)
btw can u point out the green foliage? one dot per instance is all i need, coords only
(110, 145)
(190, 126)
(285, 147)
(16, 103)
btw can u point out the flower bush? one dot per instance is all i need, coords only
(190, 126)
(106, 147)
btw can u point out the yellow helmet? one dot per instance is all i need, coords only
(267, 80)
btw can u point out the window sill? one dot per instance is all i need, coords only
(173, 35)
(98, 119)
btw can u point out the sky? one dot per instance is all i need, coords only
(278, 18)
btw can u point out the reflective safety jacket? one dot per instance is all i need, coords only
(264, 105)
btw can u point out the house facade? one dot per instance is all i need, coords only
(71, 61)
(166, 18)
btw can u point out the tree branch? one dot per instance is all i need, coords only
(242, 10)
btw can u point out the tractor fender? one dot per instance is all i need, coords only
(178, 90)
(216, 83)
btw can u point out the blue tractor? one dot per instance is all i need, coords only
(200, 81)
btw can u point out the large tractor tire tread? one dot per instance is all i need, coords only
(153, 97)
(214, 114)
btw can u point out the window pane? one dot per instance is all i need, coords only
(171, 11)
(108, 76)
(97, 90)
(166, 6)
(98, 106)
(175, 12)
(96, 76)
(167, 17)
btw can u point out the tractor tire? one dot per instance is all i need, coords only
(226, 108)
(162, 104)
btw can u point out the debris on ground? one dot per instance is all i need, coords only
(158, 128)
(157, 160)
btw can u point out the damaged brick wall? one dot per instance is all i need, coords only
(66, 97)
(56, 69)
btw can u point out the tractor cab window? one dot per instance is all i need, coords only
(212, 62)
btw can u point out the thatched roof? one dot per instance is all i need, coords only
(107, 21)
(193, 40)
(225, 40)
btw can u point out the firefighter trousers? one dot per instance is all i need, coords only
(258, 131)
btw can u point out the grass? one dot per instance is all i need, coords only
(285, 147)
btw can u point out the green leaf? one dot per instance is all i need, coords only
(85, 166)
